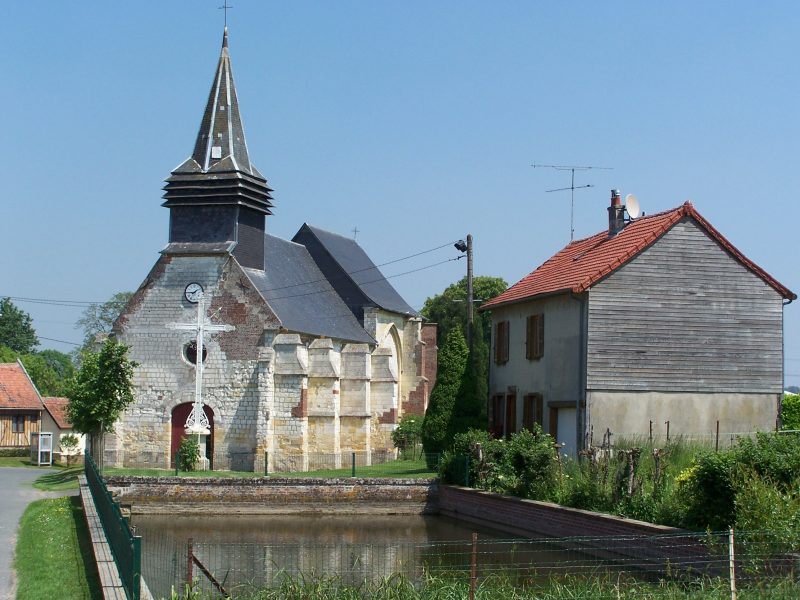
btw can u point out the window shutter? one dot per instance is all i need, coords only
(529, 341)
(540, 336)
(501, 342)
(534, 336)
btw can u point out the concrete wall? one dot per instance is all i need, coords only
(695, 414)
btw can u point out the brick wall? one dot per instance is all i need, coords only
(537, 519)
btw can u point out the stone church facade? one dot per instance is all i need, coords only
(325, 357)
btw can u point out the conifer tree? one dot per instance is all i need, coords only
(452, 365)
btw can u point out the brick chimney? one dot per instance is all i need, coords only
(616, 214)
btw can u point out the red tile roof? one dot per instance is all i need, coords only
(582, 263)
(57, 407)
(16, 388)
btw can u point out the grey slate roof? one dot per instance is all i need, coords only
(300, 296)
(219, 170)
(354, 264)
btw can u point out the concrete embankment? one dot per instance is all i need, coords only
(271, 495)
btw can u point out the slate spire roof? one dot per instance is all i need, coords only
(583, 263)
(219, 171)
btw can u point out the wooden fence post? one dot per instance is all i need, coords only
(473, 575)
(732, 563)
(189, 561)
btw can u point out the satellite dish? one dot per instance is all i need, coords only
(632, 206)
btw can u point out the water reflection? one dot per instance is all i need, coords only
(255, 551)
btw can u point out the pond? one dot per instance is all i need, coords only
(253, 551)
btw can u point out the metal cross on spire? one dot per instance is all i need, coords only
(197, 422)
(225, 6)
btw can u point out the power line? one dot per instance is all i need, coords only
(41, 337)
(86, 304)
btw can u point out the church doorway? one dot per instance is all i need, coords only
(179, 415)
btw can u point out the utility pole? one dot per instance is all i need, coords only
(470, 300)
(461, 246)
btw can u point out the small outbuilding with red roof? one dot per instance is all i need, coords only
(659, 319)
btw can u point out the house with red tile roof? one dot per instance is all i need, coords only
(20, 406)
(658, 320)
(56, 421)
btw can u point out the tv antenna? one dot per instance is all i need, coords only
(572, 187)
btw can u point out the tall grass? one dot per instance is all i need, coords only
(503, 587)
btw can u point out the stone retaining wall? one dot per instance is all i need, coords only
(262, 495)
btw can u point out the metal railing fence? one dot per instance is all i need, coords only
(125, 546)
(670, 562)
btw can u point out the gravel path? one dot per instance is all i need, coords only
(16, 493)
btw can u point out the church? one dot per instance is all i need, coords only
(310, 354)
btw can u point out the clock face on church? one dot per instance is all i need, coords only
(193, 292)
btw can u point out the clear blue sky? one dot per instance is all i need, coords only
(374, 114)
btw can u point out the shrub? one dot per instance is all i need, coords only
(769, 515)
(189, 453)
(452, 467)
(706, 491)
(69, 444)
(408, 435)
(525, 465)
(790, 411)
(530, 455)
(775, 456)
(15, 452)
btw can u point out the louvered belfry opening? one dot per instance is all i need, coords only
(217, 195)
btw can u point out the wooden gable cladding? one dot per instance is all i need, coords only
(694, 319)
(534, 337)
(16, 428)
(501, 342)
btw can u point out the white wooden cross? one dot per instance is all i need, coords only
(197, 422)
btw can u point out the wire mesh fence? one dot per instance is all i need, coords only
(674, 562)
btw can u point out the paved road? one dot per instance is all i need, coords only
(16, 493)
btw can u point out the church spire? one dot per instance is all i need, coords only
(219, 172)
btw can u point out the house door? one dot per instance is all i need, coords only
(511, 414)
(179, 415)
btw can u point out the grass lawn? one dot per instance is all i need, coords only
(402, 469)
(53, 556)
(63, 479)
(16, 461)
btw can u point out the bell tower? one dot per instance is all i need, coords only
(217, 195)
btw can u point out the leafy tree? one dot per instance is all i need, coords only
(59, 362)
(16, 328)
(449, 309)
(452, 364)
(790, 411)
(98, 318)
(50, 370)
(101, 390)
